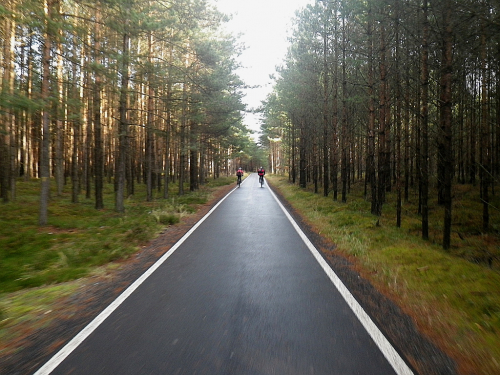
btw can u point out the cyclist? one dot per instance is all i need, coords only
(239, 174)
(261, 171)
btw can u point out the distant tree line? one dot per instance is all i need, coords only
(396, 93)
(123, 91)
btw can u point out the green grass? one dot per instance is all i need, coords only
(454, 296)
(78, 237)
(30, 308)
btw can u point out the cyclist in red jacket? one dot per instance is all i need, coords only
(239, 174)
(261, 171)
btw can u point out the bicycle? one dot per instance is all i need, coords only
(238, 181)
(261, 181)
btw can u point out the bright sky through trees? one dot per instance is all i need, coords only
(264, 25)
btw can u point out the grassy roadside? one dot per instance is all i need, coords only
(454, 301)
(41, 266)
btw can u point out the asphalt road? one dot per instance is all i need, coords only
(241, 294)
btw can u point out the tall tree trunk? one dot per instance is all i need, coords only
(202, 171)
(370, 162)
(130, 157)
(473, 136)
(302, 156)
(166, 162)
(149, 126)
(407, 139)
(497, 125)
(315, 160)
(345, 140)
(335, 114)
(28, 155)
(398, 115)
(193, 158)
(88, 139)
(45, 91)
(446, 118)
(383, 167)
(88, 115)
(98, 142)
(485, 130)
(77, 94)
(75, 173)
(461, 130)
(183, 138)
(326, 115)
(193, 170)
(59, 112)
(7, 118)
(424, 163)
(123, 127)
(168, 124)
(294, 149)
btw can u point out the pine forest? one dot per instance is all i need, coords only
(400, 95)
(119, 91)
(380, 132)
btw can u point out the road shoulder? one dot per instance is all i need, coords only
(398, 327)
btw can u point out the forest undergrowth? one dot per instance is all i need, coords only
(453, 296)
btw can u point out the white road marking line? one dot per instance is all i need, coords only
(378, 337)
(60, 356)
(385, 347)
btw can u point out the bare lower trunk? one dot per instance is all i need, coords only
(122, 130)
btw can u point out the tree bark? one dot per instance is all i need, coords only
(485, 136)
(168, 124)
(424, 163)
(335, 116)
(149, 125)
(345, 139)
(7, 118)
(326, 115)
(446, 118)
(370, 162)
(122, 127)
(398, 117)
(45, 91)
(98, 142)
(59, 112)
(183, 138)
(193, 158)
(302, 156)
(383, 168)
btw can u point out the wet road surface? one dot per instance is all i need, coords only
(242, 294)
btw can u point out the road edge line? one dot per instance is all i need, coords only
(392, 356)
(67, 349)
